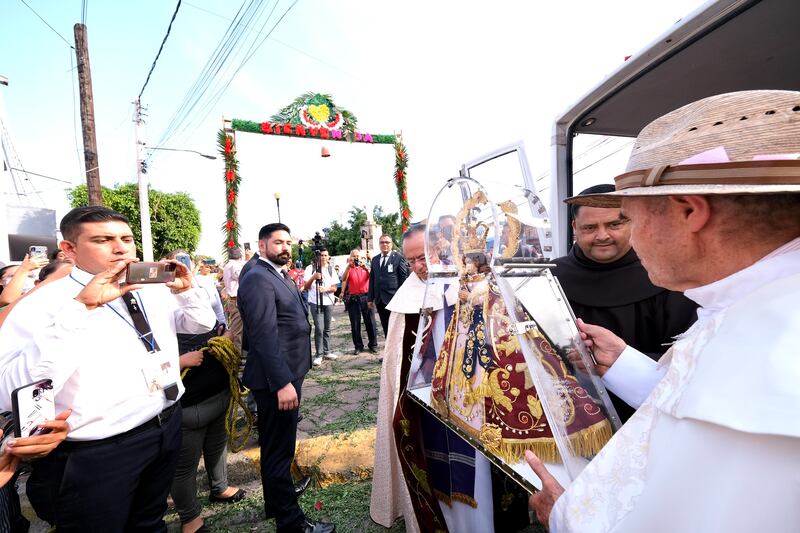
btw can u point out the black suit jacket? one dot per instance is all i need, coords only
(382, 283)
(276, 329)
(248, 265)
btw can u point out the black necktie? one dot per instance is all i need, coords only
(146, 335)
(383, 261)
(288, 280)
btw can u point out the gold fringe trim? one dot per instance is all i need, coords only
(456, 496)
(585, 443)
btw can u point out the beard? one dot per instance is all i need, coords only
(281, 258)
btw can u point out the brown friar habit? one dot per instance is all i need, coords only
(619, 296)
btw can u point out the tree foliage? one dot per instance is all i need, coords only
(174, 219)
(344, 237)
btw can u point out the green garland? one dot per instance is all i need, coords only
(287, 122)
(250, 126)
(227, 148)
(400, 164)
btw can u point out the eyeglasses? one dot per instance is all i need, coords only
(385, 242)
(413, 260)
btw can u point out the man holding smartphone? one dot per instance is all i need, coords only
(111, 352)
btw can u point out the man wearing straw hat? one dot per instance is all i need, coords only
(713, 195)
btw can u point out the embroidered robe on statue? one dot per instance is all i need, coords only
(482, 384)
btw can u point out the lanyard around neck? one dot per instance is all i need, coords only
(147, 337)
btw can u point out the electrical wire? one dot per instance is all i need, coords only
(48, 25)
(209, 105)
(160, 48)
(287, 45)
(593, 163)
(84, 9)
(249, 10)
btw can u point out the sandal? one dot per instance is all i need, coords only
(236, 497)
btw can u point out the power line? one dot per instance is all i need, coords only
(254, 46)
(169, 28)
(249, 10)
(48, 25)
(40, 175)
(278, 41)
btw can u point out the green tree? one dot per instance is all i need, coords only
(174, 219)
(344, 237)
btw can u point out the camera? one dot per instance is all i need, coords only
(356, 261)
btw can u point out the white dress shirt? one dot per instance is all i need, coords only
(230, 276)
(95, 357)
(329, 277)
(210, 287)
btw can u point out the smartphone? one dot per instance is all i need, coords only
(149, 273)
(37, 251)
(31, 405)
(186, 260)
(7, 425)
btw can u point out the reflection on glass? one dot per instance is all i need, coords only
(498, 358)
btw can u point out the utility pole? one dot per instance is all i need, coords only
(141, 173)
(87, 117)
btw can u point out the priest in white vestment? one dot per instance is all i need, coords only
(390, 498)
(713, 195)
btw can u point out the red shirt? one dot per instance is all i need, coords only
(357, 280)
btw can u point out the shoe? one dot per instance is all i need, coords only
(373, 351)
(317, 361)
(237, 497)
(331, 356)
(357, 351)
(301, 486)
(318, 527)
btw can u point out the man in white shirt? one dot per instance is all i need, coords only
(713, 195)
(230, 277)
(111, 352)
(321, 285)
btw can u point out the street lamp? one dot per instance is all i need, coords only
(144, 200)
(277, 196)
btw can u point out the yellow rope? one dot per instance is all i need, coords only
(226, 353)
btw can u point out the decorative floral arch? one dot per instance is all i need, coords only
(313, 116)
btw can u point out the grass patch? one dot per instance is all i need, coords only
(359, 418)
(346, 505)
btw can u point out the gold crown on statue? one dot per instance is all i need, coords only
(475, 239)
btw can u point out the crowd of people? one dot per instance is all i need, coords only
(683, 276)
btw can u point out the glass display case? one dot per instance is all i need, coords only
(498, 358)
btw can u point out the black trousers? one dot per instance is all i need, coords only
(277, 433)
(383, 313)
(357, 308)
(113, 485)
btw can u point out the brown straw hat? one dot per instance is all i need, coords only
(745, 142)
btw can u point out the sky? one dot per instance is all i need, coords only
(457, 78)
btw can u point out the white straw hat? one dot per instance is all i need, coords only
(745, 142)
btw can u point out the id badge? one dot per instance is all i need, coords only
(159, 372)
(390, 269)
